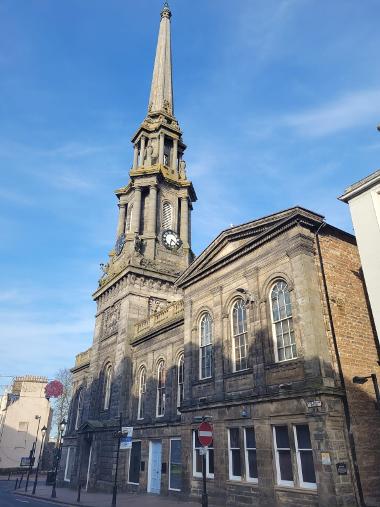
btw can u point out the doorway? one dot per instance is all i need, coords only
(154, 470)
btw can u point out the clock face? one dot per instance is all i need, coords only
(171, 240)
(120, 244)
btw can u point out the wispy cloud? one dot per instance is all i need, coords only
(350, 110)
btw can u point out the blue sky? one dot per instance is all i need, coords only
(278, 100)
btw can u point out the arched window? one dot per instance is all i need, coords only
(180, 380)
(282, 322)
(78, 415)
(167, 215)
(129, 218)
(142, 391)
(160, 408)
(205, 346)
(107, 387)
(239, 336)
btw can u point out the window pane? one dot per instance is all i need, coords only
(252, 465)
(134, 464)
(307, 464)
(197, 442)
(234, 437)
(236, 464)
(250, 438)
(286, 471)
(175, 465)
(198, 462)
(282, 437)
(303, 436)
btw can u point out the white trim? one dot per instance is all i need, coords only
(160, 365)
(142, 371)
(129, 464)
(170, 457)
(303, 484)
(281, 482)
(180, 386)
(65, 478)
(233, 336)
(247, 476)
(201, 347)
(89, 467)
(150, 465)
(230, 449)
(273, 323)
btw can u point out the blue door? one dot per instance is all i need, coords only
(154, 479)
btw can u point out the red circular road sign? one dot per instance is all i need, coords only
(205, 434)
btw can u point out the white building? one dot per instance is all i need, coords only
(24, 410)
(363, 198)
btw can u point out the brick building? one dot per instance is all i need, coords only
(262, 333)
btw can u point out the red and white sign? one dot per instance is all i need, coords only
(53, 389)
(205, 434)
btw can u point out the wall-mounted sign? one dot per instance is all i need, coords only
(341, 468)
(325, 458)
(314, 403)
(126, 438)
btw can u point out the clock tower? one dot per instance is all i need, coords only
(154, 223)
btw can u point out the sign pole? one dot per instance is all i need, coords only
(204, 491)
(118, 436)
(205, 437)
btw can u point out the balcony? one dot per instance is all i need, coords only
(171, 313)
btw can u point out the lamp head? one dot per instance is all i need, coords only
(62, 425)
(359, 380)
(43, 430)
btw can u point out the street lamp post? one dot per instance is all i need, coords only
(62, 427)
(363, 380)
(117, 435)
(32, 453)
(43, 433)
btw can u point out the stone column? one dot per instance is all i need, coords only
(184, 230)
(161, 149)
(136, 210)
(175, 155)
(135, 157)
(152, 209)
(142, 150)
(121, 222)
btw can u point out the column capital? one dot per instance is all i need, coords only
(137, 188)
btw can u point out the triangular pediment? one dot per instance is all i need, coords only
(236, 240)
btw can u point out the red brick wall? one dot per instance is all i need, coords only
(357, 351)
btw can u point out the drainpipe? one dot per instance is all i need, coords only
(340, 370)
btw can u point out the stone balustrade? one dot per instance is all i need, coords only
(171, 312)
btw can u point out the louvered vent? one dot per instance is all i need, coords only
(167, 216)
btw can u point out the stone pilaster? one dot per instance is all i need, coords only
(135, 156)
(136, 210)
(175, 155)
(185, 221)
(121, 222)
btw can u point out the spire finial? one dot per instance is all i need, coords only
(166, 12)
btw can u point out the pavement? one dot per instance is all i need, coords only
(9, 497)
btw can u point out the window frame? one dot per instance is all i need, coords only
(170, 462)
(238, 335)
(232, 477)
(107, 387)
(129, 463)
(141, 397)
(161, 391)
(180, 380)
(279, 481)
(286, 319)
(199, 474)
(65, 477)
(248, 478)
(207, 346)
(302, 483)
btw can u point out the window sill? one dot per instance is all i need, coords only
(242, 483)
(296, 489)
(208, 380)
(284, 364)
(232, 374)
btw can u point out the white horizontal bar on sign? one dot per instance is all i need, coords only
(205, 433)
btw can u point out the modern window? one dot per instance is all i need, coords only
(175, 469)
(69, 463)
(305, 462)
(197, 458)
(167, 215)
(142, 391)
(282, 322)
(134, 463)
(180, 380)
(205, 352)
(251, 473)
(78, 415)
(160, 408)
(107, 387)
(283, 456)
(234, 456)
(239, 336)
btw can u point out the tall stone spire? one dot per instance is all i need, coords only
(161, 93)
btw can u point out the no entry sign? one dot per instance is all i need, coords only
(205, 434)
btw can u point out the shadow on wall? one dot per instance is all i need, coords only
(274, 382)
